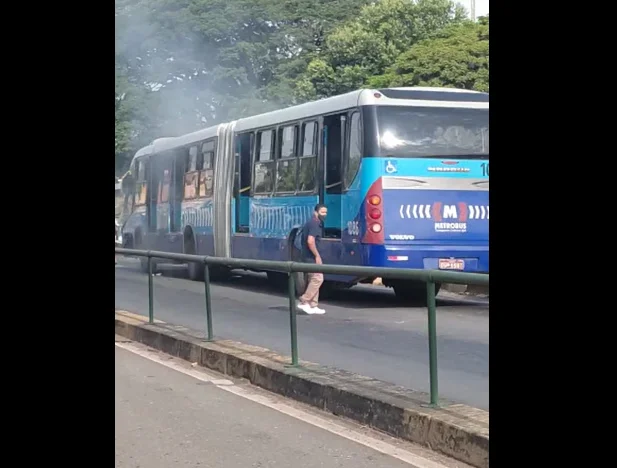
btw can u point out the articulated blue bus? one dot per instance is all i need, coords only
(404, 173)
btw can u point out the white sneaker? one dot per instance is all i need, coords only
(317, 311)
(304, 308)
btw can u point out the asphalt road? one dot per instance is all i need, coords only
(365, 329)
(171, 415)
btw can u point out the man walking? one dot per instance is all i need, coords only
(312, 233)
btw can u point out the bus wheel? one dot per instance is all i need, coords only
(300, 278)
(144, 265)
(412, 292)
(195, 271)
(300, 283)
(143, 261)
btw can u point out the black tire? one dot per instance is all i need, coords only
(300, 278)
(144, 265)
(301, 283)
(143, 261)
(413, 292)
(196, 271)
(139, 245)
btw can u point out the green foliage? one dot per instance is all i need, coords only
(457, 58)
(367, 45)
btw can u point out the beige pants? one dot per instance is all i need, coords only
(311, 295)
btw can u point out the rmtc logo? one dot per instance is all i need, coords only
(438, 211)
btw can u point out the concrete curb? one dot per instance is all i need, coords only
(455, 430)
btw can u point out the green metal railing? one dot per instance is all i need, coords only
(430, 277)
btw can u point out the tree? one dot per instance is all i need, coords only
(134, 126)
(457, 57)
(366, 46)
(205, 61)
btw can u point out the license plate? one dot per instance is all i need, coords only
(451, 264)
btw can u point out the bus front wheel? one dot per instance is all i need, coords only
(280, 281)
(143, 261)
(301, 283)
(296, 256)
(195, 271)
(412, 292)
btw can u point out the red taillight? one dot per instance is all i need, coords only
(373, 213)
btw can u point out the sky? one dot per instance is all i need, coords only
(481, 6)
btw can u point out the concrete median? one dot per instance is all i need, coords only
(455, 430)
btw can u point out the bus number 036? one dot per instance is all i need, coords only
(353, 228)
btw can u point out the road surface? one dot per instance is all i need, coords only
(169, 414)
(365, 330)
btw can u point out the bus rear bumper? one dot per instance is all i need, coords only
(464, 258)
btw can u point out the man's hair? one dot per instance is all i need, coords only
(319, 206)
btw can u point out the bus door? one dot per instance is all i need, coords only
(140, 190)
(152, 194)
(333, 141)
(242, 181)
(169, 202)
(177, 190)
(159, 194)
(163, 202)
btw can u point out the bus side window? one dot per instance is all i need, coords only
(141, 185)
(354, 151)
(286, 170)
(206, 174)
(307, 170)
(190, 177)
(264, 164)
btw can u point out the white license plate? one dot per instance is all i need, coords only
(451, 264)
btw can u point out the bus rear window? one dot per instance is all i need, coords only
(424, 132)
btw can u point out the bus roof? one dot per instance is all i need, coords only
(406, 96)
(146, 150)
(413, 96)
(184, 140)
(300, 112)
(167, 143)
